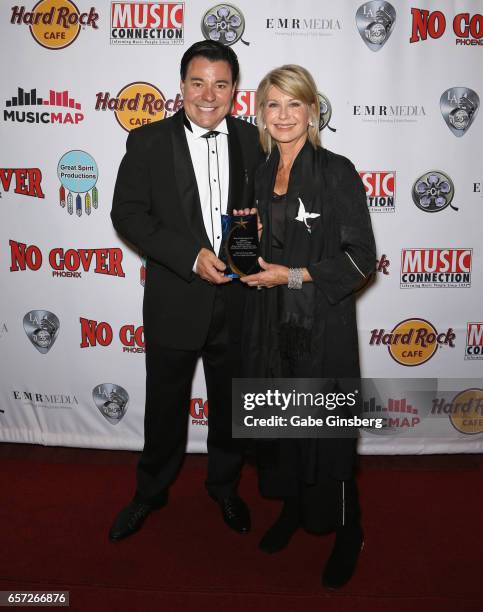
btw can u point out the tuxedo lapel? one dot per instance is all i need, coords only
(186, 181)
(238, 172)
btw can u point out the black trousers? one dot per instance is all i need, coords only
(169, 375)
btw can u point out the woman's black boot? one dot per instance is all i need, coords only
(342, 562)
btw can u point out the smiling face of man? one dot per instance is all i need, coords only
(207, 90)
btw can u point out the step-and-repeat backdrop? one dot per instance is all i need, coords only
(400, 87)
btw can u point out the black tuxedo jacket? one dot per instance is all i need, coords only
(156, 207)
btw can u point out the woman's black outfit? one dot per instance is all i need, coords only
(311, 332)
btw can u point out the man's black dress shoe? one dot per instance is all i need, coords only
(343, 559)
(129, 520)
(235, 513)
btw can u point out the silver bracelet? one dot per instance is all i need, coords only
(295, 278)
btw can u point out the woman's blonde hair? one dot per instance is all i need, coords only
(294, 81)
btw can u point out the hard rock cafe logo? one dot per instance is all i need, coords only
(467, 28)
(54, 24)
(465, 411)
(78, 174)
(137, 104)
(375, 22)
(148, 23)
(459, 107)
(26, 181)
(474, 340)
(413, 341)
(244, 105)
(380, 186)
(100, 333)
(66, 262)
(111, 400)
(42, 328)
(382, 264)
(224, 23)
(325, 112)
(433, 191)
(199, 411)
(436, 268)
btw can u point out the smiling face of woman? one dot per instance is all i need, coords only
(286, 118)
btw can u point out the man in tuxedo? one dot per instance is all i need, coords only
(175, 181)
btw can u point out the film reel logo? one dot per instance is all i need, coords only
(459, 107)
(224, 23)
(375, 21)
(433, 192)
(325, 113)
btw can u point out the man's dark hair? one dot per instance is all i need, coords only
(213, 51)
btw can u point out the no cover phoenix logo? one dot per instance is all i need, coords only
(42, 328)
(375, 22)
(459, 107)
(224, 23)
(111, 400)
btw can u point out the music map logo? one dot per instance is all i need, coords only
(412, 342)
(467, 28)
(66, 262)
(25, 181)
(433, 191)
(224, 23)
(474, 341)
(147, 23)
(375, 22)
(459, 107)
(380, 186)
(436, 268)
(42, 329)
(111, 401)
(138, 104)
(396, 414)
(55, 24)
(68, 109)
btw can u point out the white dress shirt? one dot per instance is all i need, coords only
(211, 165)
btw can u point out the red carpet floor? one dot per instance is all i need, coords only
(423, 549)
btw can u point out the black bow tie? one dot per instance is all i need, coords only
(211, 134)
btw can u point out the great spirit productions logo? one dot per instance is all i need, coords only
(66, 263)
(436, 268)
(375, 23)
(137, 104)
(224, 23)
(467, 28)
(380, 186)
(54, 24)
(111, 401)
(148, 23)
(65, 109)
(25, 181)
(412, 342)
(459, 107)
(78, 174)
(42, 328)
(433, 191)
(474, 340)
